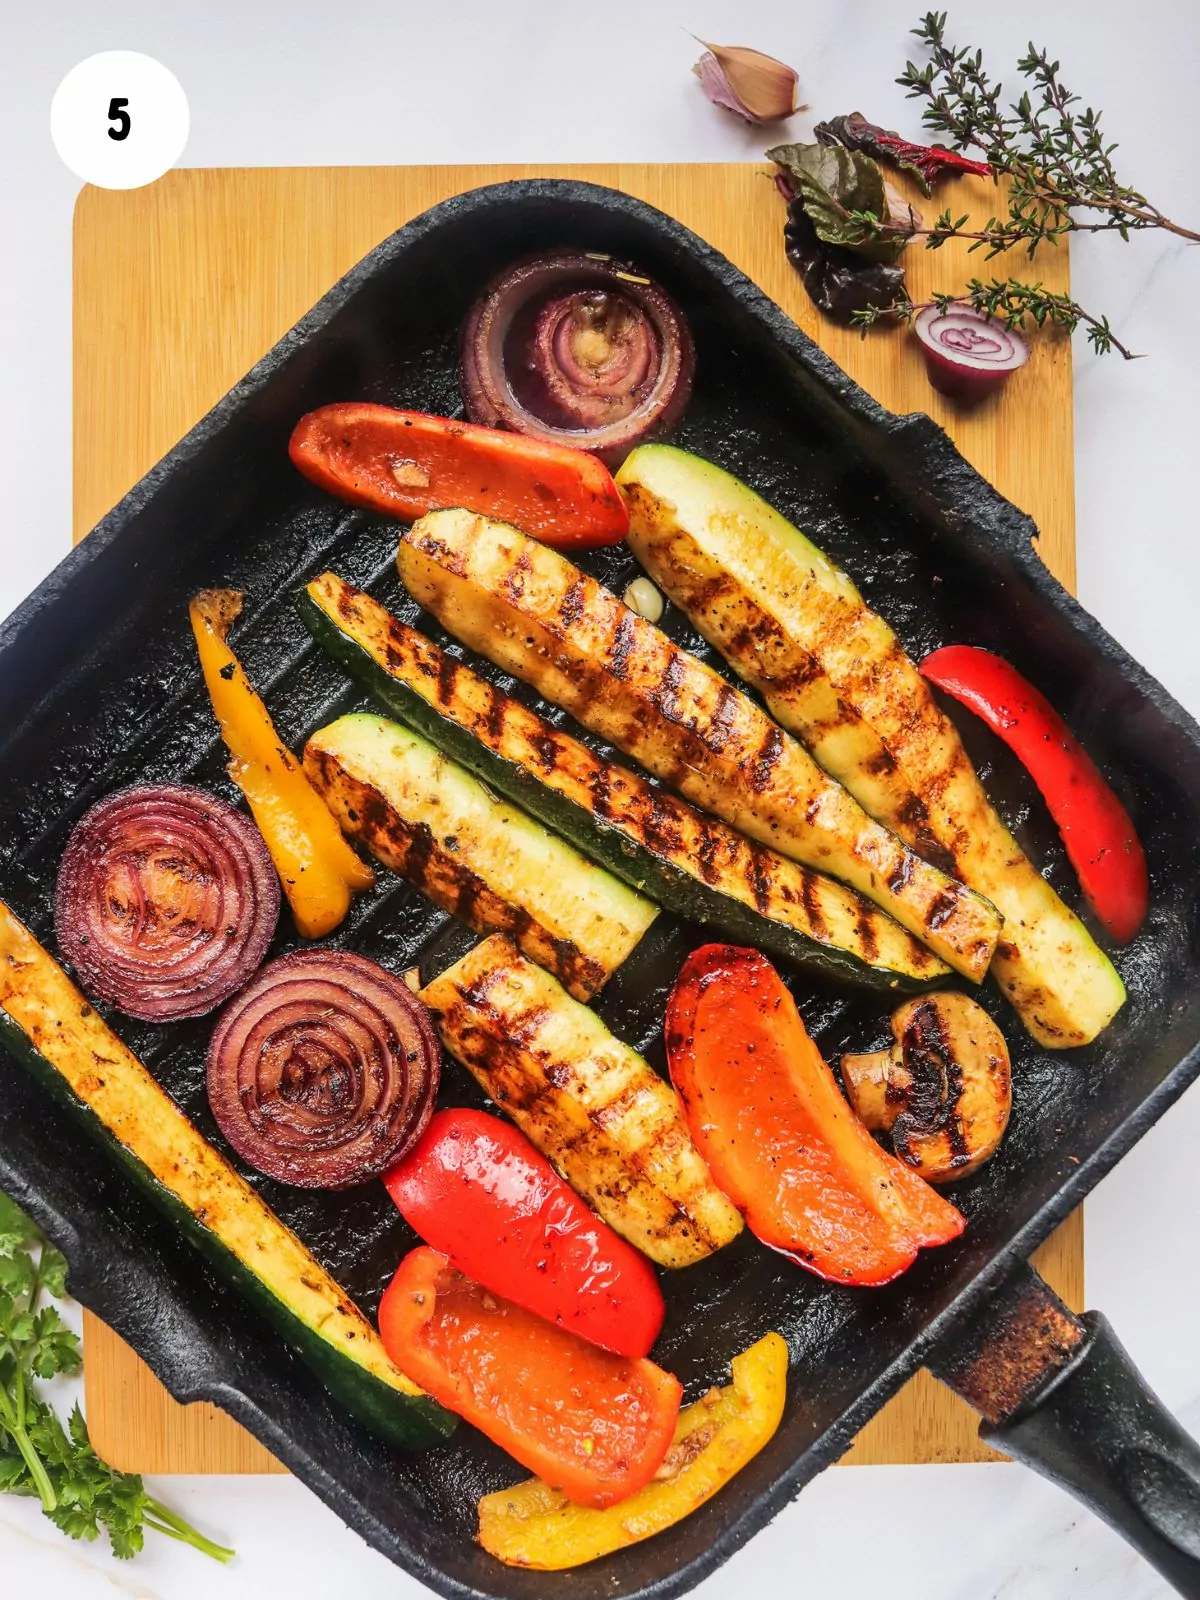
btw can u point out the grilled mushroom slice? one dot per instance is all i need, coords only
(943, 1090)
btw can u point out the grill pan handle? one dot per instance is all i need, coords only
(1060, 1393)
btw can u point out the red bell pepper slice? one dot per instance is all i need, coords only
(781, 1141)
(1096, 829)
(593, 1424)
(476, 1189)
(404, 463)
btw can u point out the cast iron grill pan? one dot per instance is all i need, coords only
(99, 687)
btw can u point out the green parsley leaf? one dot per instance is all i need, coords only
(17, 1231)
(53, 1347)
(38, 1456)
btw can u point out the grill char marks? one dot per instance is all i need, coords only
(623, 679)
(767, 759)
(936, 1082)
(622, 646)
(866, 934)
(572, 607)
(589, 1103)
(436, 867)
(812, 904)
(447, 674)
(933, 1101)
(721, 727)
(766, 598)
(685, 860)
(665, 695)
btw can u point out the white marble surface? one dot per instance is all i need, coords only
(302, 82)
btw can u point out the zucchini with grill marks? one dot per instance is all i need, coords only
(602, 1115)
(472, 854)
(536, 615)
(688, 863)
(831, 671)
(52, 1029)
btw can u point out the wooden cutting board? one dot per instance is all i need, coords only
(180, 287)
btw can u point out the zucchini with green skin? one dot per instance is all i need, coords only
(472, 854)
(50, 1026)
(688, 863)
(535, 614)
(594, 1108)
(832, 672)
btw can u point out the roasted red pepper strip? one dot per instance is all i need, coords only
(588, 1422)
(477, 1190)
(781, 1141)
(404, 463)
(1101, 841)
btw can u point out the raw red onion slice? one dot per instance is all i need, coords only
(578, 349)
(968, 355)
(323, 1070)
(166, 901)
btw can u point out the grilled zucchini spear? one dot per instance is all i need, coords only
(536, 615)
(592, 1106)
(686, 862)
(832, 671)
(49, 1025)
(473, 855)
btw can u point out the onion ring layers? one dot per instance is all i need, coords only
(324, 1070)
(166, 901)
(575, 348)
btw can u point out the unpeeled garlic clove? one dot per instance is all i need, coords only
(755, 86)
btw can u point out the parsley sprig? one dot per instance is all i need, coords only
(38, 1456)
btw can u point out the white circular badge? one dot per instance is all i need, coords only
(119, 119)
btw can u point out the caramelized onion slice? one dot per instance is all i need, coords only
(166, 901)
(576, 348)
(324, 1070)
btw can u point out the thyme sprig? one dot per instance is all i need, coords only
(1011, 302)
(1061, 175)
(1053, 153)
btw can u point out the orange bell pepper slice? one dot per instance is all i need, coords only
(405, 463)
(595, 1425)
(780, 1139)
(318, 869)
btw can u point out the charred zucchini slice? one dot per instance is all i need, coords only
(533, 613)
(832, 672)
(592, 1106)
(690, 864)
(50, 1026)
(473, 854)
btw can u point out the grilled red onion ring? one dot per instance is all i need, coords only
(166, 901)
(577, 349)
(324, 1070)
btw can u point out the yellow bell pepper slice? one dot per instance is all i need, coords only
(318, 869)
(533, 1525)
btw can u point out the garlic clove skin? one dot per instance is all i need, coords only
(901, 213)
(943, 1090)
(753, 85)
